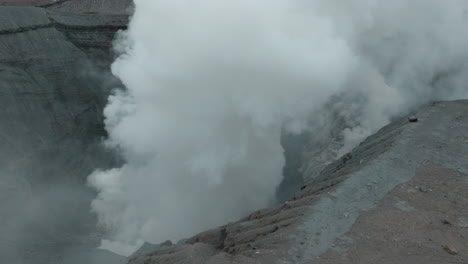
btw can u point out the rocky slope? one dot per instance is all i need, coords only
(399, 197)
(54, 80)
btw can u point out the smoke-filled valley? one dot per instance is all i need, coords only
(123, 123)
(212, 86)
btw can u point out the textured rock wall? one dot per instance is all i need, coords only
(54, 80)
(77, 6)
(92, 6)
(25, 2)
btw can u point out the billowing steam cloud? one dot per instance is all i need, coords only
(212, 85)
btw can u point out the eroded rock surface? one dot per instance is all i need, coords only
(77, 6)
(92, 6)
(420, 221)
(25, 2)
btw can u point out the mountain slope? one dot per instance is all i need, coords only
(396, 198)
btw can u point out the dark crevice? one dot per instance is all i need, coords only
(57, 2)
(25, 29)
(93, 28)
(223, 238)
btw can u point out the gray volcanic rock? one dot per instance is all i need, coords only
(390, 200)
(92, 6)
(25, 2)
(77, 6)
(54, 80)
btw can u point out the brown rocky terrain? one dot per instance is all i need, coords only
(421, 221)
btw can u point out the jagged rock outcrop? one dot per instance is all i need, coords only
(54, 80)
(399, 197)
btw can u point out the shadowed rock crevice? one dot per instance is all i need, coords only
(24, 29)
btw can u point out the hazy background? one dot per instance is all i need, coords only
(212, 85)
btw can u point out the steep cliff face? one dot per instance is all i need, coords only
(399, 197)
(54, 79)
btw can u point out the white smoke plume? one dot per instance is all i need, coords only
(212, 84)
